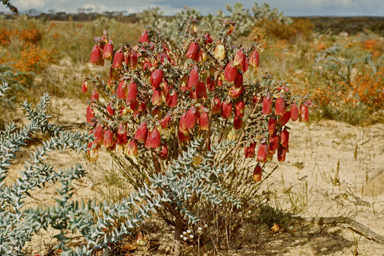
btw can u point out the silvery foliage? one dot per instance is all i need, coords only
(244, 19)
(99, 223)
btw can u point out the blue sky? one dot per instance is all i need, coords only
(170, 7)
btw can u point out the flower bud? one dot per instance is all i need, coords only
(294, 112)
(144, 37)
(254, 59)
(192, 50)
(240, 108)
(164, 152)
(230, 72)
(153, 139)
(90, 114)
(237, 122)
(118, 59)
(284, 138)
(141, 132)
(279, 107)
(156, 78)
(108, 50)
(84, 86)
(216, 105)
(257, 173)
(271, 125)
(267, 105)
(262, 153)
(219, 52)
(96, 57)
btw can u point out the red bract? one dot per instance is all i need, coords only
(281, 152)
(84, 86)
(262, 154)
(210, 84)
(141, 132)
(121, 90)
(156, 78)
(193, 78)
(94, 96)
(132, 59)
(118, 59)
(237, 122)
(144, 37)
(239, 80)
(90, 114)
(279, 107)
(190, 118)
(132, 92)
(284, 138)
(230, 72)
(164, 152)
(285, 118)
(201, 90)
(131, 149)
(110, 110)
(192, 50)
(304, 113)
(239, 60)
(121, 137)
(147, 65)
(257, 173)
(172, 98)
(240, 108)
(294, 112)
(216, 105)
(204, 121)
(267, 105)
(249, 152)
(236, 92)
(108, 139)
(165, 121)
(254, 59)
(153, 139)
(226, 109)
(96, 57)
(98, 132)
(156, 98)
(108, 51)
(271, 125)
(273, 142)
(245, 67)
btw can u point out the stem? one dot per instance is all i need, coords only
(178, 231)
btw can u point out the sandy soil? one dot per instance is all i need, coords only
(342, 166)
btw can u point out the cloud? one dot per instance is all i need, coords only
(30, 4)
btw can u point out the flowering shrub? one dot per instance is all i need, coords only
(162, 95)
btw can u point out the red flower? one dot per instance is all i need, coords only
(204, 121)
(294, 112)
(110, 110)
(172, 98)
(285, 118)
(254, 59)
(271, 125)
(281, 152)
(249, 152)
(226, 109)
(131, 149)
(144, 37)
(245, 67)
(164, 152)
(184, 136)
(121, 135)
(84, 86)
(240, 108)
(108, 51)
(239, 80)
(190, 118)
(90, 114)
(113, 74)
(165, 121)
(132, 92)
(98, 132)
(156, 98)
(96, 57)
(216, 105)
(230, 72)
(279, 107)
(118, 59)
(304, 113)
(210, 84)
(201, 90)
(141, 132)
(267, 105)
(147, 65)
(284, 138)
(273, 142)
(237, 122)
(121, 90)
(156, 78)
(193, 78)
(153, 139)
(236, 92)
(257, 173)
(108, 139)
(192, 50)
(262, 154)
(94, 96)
(239, 61)
(132, 59)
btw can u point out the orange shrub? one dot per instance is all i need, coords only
(374, 46)
(34, 58)
(31, 36)
(369, 89)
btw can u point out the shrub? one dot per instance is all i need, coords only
(166, 98)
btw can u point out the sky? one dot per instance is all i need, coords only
(170, 7)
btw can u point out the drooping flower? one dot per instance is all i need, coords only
(284, 138)
(132, 92)
(237, 122)
(281, 153)
(239, 80)
(204, 121)
(279, 107)
(226, 109)
(249, 152)
(216, 105)
(121, 135)
(108, 50)
(90, 114)
(273, 142)
(240, 108)
(141, 132)
(190, 118)
(201, 90)
(84, 86)
(165, 121)
(193, 78)
(257, 173)
(239, 60)
(192, 50)
(172, 98)
(271, 125)
(153, 139)
(254, 59)
(294, 112)
(94, 96)
(164, 152)
(156, 98)
(144, 37)
(108, 139)
(236, 92)
(262, 153)
(230, 72)
(122, 90)
(304, 113)
(131, 149)
(219, 52)
(98, 133)
(156, 78)
(267, 105)
(96, 56)
(118, 59)
(285, 118)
